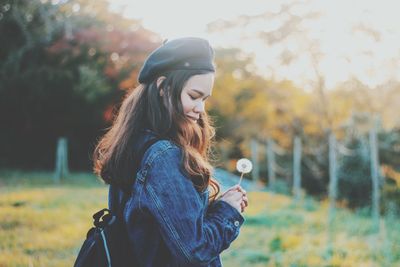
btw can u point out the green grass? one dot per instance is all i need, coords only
(43, 223)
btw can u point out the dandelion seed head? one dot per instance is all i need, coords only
(244, 165)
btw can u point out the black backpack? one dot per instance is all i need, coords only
(106, 243)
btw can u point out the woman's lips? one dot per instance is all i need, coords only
(193, 119)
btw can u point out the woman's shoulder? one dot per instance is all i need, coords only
(160, 147)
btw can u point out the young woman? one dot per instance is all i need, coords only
(172, 209)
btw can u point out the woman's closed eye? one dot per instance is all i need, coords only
(194, 97)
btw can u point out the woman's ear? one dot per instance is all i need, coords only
(159, 81)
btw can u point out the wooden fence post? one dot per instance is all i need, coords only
(297, 168)
(271, 163)
(61, 169)
(254, 158)
(375, 175)
(333, 180)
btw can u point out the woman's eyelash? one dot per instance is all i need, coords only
(196, 97)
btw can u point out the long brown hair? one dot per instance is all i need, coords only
(144, 108)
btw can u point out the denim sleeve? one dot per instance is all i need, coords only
(195, 235)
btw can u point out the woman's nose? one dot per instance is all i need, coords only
(199, 108)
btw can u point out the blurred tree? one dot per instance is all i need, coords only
(287, 36)
(389, 155)
(246, 105)
(354, 173)
(268, 108)
(61, 65)
(354, 164)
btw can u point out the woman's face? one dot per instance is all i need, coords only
(195, 93)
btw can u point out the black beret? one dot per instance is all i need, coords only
(189, 53)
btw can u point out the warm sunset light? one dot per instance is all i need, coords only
(200, 133)
(350, 38)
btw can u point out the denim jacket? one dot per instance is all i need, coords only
(169, 223)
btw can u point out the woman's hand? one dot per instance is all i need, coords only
(236, 196)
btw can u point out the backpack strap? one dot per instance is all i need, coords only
(138, 159)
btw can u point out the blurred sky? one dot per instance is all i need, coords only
(175, 18)
(372, 58)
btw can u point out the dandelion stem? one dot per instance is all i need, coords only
(241, 177)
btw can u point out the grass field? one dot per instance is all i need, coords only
(43, 224)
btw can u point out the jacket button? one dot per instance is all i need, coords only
(236, 223)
